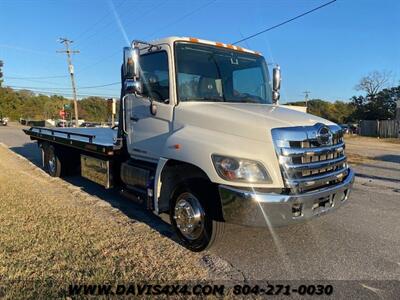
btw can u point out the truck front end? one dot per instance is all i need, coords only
(316, 180)
(275, 166)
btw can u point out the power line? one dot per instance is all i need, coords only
(57, 92)
(23, 49)
(45, 88)
(142, 15)
(99, 86)
(39, 77)
(84, 69)
(183, 17)
(98, 22)
(147, 12)
(32, 80)
(65, 94)
(168, 25)
(61, 87)
(82, 34)
(68, 88)
(100, 29)
(78, 87)
(283, 23)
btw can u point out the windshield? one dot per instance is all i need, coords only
(207, 73)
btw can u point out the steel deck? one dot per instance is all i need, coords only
(98, 140)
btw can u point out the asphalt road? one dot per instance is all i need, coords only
(361, 241)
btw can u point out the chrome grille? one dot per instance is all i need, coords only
(305, 163)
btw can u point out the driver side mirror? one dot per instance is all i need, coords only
(131, 70)
(276, 84)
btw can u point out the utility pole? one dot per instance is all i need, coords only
(306, 93)
(67, 50)
(112, 102)
(1, 72)
(398, 111)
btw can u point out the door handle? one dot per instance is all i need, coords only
(135, 118)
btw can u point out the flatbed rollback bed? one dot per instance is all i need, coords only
(102, 141)
(92, 152)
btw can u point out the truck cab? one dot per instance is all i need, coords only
(202, 137)
(208, 113)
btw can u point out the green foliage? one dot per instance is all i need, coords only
(338, 111)
(93, 109)
(27, 105)
(379, 106)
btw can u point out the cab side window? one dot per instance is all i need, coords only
(155, 76)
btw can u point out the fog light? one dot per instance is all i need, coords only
(297, 209)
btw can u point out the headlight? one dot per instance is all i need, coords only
(242, 170)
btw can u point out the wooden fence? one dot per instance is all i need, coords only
(382, 129)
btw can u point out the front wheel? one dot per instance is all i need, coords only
(192, 214)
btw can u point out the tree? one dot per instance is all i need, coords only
(379, 101)
(372, 83)
(338, 111)
(342, 112)
(382, 106)
(93, 109)
(26, 104)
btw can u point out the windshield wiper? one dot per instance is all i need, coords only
(248, 101)
(219, 73)
(210, 99)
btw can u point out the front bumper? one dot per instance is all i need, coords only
(257, 209)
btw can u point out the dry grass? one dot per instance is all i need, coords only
(355, 146)
(393, 141)
(355, 159)
(53, 234)
(372, 139)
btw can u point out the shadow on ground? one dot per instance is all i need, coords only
(396, 168)
(30, 151)
(389, 158)
(128, 207)
(370, 176)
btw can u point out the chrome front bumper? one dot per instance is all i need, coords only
(263, 209)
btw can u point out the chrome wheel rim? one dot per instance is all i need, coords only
(52, 163)
(189, 216)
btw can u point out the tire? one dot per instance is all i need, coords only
(202, 199)
(52, 163)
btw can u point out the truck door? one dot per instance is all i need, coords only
(147, 131)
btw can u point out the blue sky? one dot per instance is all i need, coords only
(325, 52)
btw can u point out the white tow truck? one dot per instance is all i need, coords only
(202, 137)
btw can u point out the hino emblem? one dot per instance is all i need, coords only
(324, 135)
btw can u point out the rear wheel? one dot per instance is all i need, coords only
(192, 215)
(52, 163)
